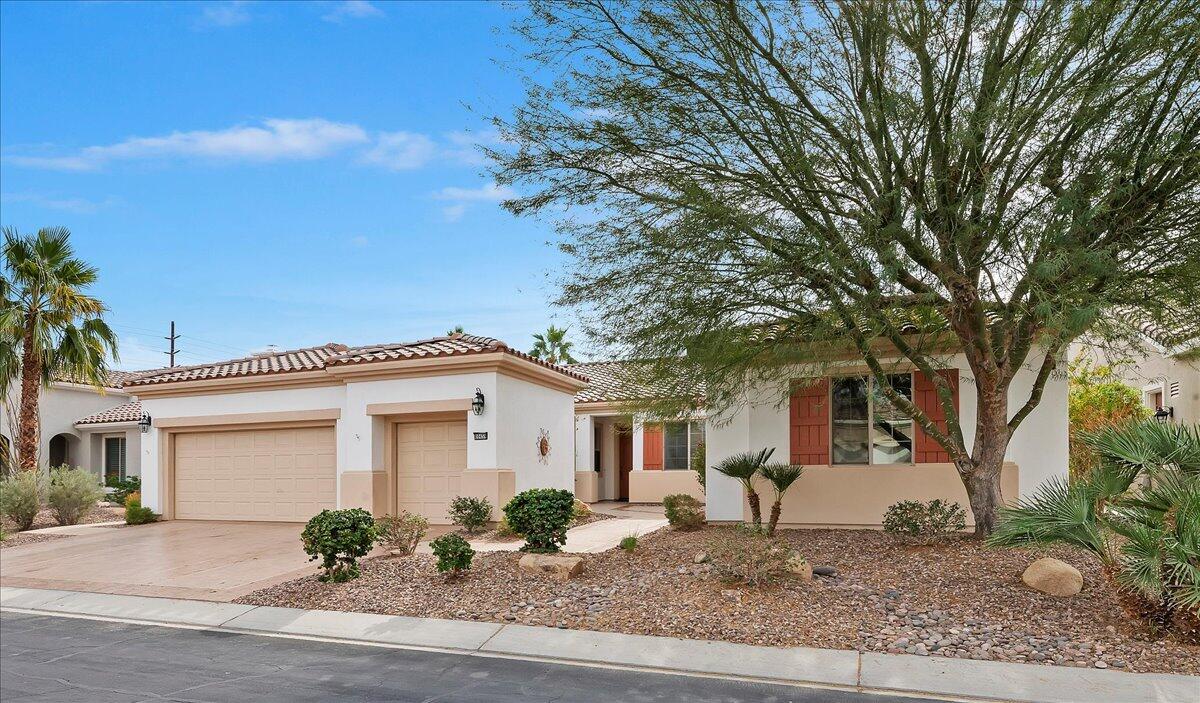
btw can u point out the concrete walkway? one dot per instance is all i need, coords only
(837, 669)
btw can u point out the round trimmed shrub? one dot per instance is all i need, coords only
(135, 512)
(454, 554)
(684, 512)
(541, 516)
(472, 514)
(339, 538)
(73, 493)
(21, 497)
(401, 533)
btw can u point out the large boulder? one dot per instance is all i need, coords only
(559, 567)
(1052, 576)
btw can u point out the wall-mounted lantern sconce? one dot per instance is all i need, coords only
(1164, 414)
(477, 403)
(144, 423)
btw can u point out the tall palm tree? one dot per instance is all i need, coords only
(50, 327)
(781, 477)
(743, 467)
(553, 346)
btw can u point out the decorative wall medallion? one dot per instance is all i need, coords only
(543, 446)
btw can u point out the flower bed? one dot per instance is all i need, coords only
(957, 599)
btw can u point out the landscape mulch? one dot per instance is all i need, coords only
(954, 599)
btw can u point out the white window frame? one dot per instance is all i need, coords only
(687, 423)
(912, 388)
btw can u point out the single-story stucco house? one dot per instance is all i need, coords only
(282, 435)
(860, 456)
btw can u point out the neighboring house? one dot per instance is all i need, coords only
(1168, 378)
(81, 425)
(860, 456)
(282, 435)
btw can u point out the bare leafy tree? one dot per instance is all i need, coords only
(748, 185)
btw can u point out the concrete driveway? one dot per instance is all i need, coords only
(216, 561)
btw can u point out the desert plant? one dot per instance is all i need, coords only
(924, 522)
(119, 488)
(453, 554)
(21, 497)
(697, 466)
(72, 494)
(541, 516)
(135, 512)
(629, 542)
(743, 467)
(339, 538)
(781, 477)
(683, 511)
(401, 533)
(470, 513)
(747, 555)
(1138, 511)
(1097, 398)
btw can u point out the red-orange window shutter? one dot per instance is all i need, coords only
(808, 421)
(652, 447)
(925, 449)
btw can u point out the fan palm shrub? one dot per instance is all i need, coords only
(744, 467)
(1138, 511)
(781, 477)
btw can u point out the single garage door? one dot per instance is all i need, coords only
(284, 475)
(430, 459)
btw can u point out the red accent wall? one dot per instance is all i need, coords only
(652, 447)
(808, 421)
(925, 449)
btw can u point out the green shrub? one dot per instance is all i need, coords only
(339, 538)
(453, 554)
(472, 514)
(401, 533)
(121, 488)
(503, 529)
(135, 513)
(21, 497)
(629, 543)
(748, 555)
(684, 512)
(541, 516)
(73, 493)
(698, 467)
(924, 522)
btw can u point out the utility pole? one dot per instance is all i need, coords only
(172, 339)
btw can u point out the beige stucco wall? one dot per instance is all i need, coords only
(497, 485)
(365, 489)
(653, 486)
(587, 486)
(857, 496)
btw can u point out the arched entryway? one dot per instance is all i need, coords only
(61, 446)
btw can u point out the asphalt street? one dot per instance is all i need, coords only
(45, 658)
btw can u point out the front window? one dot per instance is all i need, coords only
(867, 427)
(114, 458)
(680, 441)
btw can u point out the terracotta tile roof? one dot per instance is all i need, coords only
(617, 381)
(116, 379)
(332, 354)
(126, 412)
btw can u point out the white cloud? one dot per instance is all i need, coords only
(400, 151)
(80, 206)
(454, 213)
(352, 9)
(276, 139)
(488, 192)
(224, 14)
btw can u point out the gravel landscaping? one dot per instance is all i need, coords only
(20, 539)
(45, 517)
(958, 599)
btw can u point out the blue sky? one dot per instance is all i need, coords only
(273, 173)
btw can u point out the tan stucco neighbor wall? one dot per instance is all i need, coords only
(587, 486)
(857, 496)
(365, 489)
(653, 486)
(497, 485)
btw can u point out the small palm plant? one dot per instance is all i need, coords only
(744, 467)
(1138, 511)
(781, 477)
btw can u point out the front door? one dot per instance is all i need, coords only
(625, 462)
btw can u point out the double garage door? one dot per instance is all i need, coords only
(284, 475)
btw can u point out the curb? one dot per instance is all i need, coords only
(867, 672)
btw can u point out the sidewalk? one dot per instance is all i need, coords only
(840, 669)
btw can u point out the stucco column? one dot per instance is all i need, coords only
(584, 442)
(638, 464)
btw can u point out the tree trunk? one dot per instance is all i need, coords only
(28, 430)
(980, 473)
(776, 509)
(755, 509)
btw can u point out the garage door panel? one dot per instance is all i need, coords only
(280, 475)
(430, 459)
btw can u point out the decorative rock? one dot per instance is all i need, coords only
(800, 567)
(1054, 577)
(700, 558)
(824, 571)
(559, 567)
